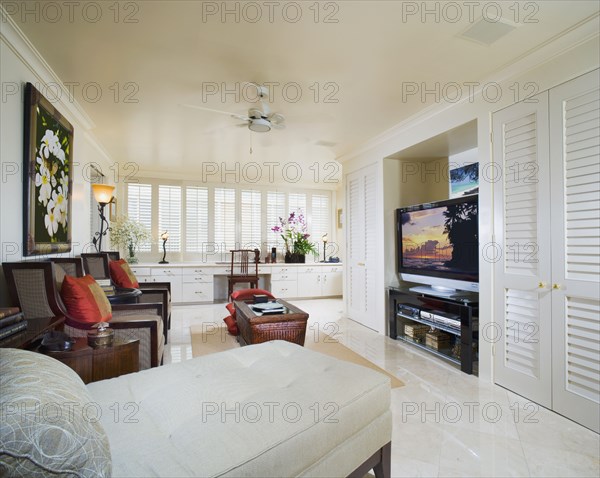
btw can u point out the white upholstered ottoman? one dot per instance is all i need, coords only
(269, 410)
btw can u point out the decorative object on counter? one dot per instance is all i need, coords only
(273, 255)
(47, 176)
(325, 240)
(333, 259)
(129, 235)
(103, 193)
(293, 232)
(102, 337)
(164, 236)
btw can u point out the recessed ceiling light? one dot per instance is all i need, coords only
(486, 32)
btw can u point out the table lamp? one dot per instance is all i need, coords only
(103, 193)
(325, 240)
(164, 236)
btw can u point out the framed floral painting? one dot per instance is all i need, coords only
(48, 177)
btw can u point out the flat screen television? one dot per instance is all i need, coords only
(438, 245)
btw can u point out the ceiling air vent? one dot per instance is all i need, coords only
(487, 32)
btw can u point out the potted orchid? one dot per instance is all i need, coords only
(129, 235)
(293, 232)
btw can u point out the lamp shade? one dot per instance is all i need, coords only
(325, 238)
(103, 193)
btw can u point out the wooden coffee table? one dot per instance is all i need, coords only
(255, 328)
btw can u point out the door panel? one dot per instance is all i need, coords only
(575, 146)
(522, 275)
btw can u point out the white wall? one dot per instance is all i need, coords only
(19, 64)
(572, 55)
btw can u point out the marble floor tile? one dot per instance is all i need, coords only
(445, 423)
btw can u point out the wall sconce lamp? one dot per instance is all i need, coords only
(103, 193)
(164, 236)
(325, 240)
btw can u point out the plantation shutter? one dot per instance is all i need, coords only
(297, 203)
(196, 218)
(224, 220)
(320, 215)
(139, 207)
(275, 210)
(251, 219)
(169, 215)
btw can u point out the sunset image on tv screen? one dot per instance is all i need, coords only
(441, 239)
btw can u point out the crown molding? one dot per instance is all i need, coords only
(569, 39)
(19, 44)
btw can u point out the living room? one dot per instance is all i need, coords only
(155, 92)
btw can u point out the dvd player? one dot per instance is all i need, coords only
(448, 320)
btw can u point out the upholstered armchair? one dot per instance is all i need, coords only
(98, 266)
(34, 287)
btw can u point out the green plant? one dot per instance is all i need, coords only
(293, 232)
(128, 235)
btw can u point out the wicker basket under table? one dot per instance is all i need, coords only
(255, 329)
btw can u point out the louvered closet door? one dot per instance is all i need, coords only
(575, 159)
(360, 200)
(522, 296)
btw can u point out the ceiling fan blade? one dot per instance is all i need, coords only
(278, 125)
(276, 118)
(211, 110)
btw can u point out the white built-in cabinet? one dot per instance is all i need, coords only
(547, 249)
(205, 283)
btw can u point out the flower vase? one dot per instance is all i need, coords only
(295, 258)
(132, 259)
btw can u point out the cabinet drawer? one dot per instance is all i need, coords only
(141, 271)
(284, 276)
(201, 292)
(198, 278)
(284, 289)
(193, 271)
(166, 272)
(309, 269)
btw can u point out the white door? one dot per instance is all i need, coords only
(522, 295)
(361, 237)
(575, 173)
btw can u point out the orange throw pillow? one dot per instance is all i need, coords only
(85, 300)
(121, 275)
(246, 294)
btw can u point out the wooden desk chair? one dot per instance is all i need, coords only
(242, 270)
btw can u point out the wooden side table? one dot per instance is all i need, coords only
(36, 328)
(101, 363)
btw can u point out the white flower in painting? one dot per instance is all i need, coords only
(51, 220)
(64, 182)
(62, 216)
(44, 181)
(60, 154)
(59, 200)
(50, 144)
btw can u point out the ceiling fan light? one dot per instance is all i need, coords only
(259, 125)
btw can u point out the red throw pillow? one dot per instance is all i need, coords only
(232, 327)
(121, 275)
(231, 309)
(245, 294)
(85, 300)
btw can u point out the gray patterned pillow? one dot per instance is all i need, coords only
(48, 421)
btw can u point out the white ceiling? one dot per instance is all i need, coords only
(170, 56)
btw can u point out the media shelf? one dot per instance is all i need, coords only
(455, 318)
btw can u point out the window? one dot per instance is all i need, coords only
(139, 207)
(196, 218)
(275, 210)
(251, 219)
(169, 215)
(224, 220)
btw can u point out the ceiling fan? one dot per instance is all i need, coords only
(259, 120)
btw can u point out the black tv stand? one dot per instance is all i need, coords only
(455, 317)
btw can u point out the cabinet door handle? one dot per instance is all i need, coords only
(556, 286)
(362, 264)
(318, 278)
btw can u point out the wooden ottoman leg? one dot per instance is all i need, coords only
(383, 469)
